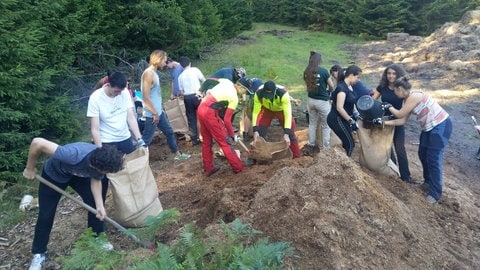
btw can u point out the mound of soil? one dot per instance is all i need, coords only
(336, 214)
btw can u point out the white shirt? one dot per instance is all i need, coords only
(112, 113)
(189, 80)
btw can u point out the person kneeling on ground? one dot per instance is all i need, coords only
(79, 165)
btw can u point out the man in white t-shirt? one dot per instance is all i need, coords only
(189, 83)
(110, 109)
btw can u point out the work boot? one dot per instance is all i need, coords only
(215, 169)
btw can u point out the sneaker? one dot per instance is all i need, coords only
(182, 156)
(37, 262)
(431, 199)
(105, 245)
(215, 169)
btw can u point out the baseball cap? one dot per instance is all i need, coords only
(269, 89)
(247, 83)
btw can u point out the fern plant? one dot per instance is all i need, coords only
(237, 250)
(154, 224)
(87, 253)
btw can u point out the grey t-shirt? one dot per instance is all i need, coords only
(71, 160)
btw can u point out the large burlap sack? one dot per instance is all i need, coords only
(263, 150)
(134, 190)
(375, 148)
(176, 114)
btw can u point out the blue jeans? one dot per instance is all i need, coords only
(431, 149)
(48, 200)
(164, 126)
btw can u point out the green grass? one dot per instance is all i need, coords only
(277, 52)
(10, 197)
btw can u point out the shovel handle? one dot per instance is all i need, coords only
(90, 209)
(244, 146)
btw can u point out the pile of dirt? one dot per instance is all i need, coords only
(447, 59)
(336, 214)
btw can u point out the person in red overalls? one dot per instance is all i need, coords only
(222, 97)
(273, 101)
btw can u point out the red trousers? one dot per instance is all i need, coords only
(264, 120)
(212, 127)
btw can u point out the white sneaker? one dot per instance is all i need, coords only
(431, 199)
(105, 245)
(37, 262)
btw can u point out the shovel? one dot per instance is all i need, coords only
(90, 209)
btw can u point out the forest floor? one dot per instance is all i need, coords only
(336, 214)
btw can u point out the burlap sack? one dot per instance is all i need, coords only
(263, 150)
(134, 190)
(375, 148)
(175, 111)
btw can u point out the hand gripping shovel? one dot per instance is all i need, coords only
(90, 209)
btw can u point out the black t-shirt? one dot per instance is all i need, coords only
(388, 95)
(350, 98)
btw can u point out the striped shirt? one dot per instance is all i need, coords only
(429, 113)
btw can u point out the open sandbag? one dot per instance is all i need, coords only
(176, 114)
(375, 148)
(134, 190)
(263, 150)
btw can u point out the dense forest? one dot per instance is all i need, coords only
(51, 51)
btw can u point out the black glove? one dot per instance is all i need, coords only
(377, 121)
(356, 115)
(386, 106)
(353, 124)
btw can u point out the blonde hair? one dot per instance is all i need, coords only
(157, 56)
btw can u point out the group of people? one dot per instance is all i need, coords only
(83, 166)
(211, 102)
(333, 107)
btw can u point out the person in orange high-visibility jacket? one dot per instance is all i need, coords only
(222, 97)
(273, 101)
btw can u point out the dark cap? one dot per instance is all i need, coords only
(169, 60)
(247, 83)
(269, 89)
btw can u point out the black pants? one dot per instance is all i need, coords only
(191, 105)
(48, 200)
(399, 145)
(342, 129)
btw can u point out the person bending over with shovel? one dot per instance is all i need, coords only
(79, 165)
(273, 101)
(222, 97)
